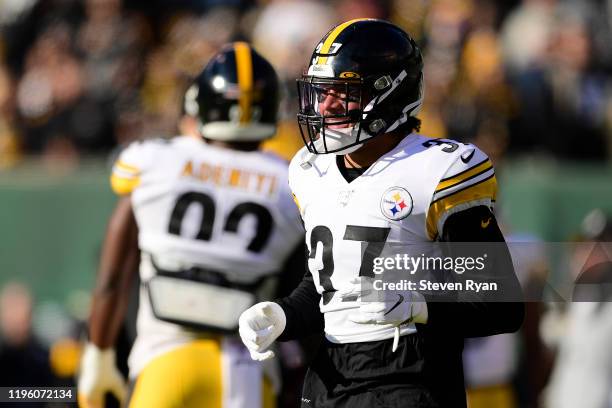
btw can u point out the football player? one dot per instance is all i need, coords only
(210, 221)
(366, 184)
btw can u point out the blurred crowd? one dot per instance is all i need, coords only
(79, 77)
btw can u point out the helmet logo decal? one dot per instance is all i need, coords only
(396, 203)
(349, 74)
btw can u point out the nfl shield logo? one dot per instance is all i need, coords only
(396, 203)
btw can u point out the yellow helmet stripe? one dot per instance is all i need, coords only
(244, 66)
(332, 37)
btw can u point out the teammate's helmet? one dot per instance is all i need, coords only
(236, 96)
(374, 69)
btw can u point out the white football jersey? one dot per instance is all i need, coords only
(401, 201)
(202, 205)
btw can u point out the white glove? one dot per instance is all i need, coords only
(99, 375)
(259, 326)
(395, 307)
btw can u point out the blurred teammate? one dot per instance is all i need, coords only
(497, 372)
(367, 186)
(582, 373)
(211, 222)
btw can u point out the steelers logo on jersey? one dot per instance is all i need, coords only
(396, 203)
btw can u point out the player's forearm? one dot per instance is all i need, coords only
(472, 315)
(489, 313)
(475, 319)
(105, 319)
(118, 266)
(301, 309)
(109, 305)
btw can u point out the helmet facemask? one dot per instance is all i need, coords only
(330, 115)
(364, 108)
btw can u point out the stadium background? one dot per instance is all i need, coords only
(527, 81)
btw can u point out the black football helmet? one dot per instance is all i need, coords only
(236, 96)
(374, 70)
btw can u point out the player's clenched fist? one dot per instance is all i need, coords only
(259, 326)
(98, 376)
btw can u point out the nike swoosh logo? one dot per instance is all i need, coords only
(468, 157)
(400, 300)
(485, 224)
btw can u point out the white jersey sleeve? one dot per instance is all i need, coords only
(130, 166)
(469, 181)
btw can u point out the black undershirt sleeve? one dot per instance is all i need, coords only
(480, 315)
(291, 272)
(300, 303)
(301, 309)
